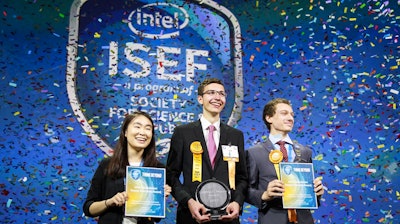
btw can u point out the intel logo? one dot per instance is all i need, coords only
(158, 20)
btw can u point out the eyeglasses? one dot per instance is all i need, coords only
(214, 93)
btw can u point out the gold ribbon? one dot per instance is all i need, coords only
(292, 215)
(276, 156)
(232, 171)
(230, 154)
(197, 150)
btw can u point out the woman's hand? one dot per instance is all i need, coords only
(118, 199)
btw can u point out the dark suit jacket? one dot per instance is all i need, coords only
(104, 187)
(180, 160)
(261, 171)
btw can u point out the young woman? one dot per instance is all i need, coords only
(136, 147)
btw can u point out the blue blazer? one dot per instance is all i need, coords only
(180, 161)
(261, 171)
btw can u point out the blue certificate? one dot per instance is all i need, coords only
(145, 190)
(298, 179)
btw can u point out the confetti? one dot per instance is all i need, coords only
(337, 61)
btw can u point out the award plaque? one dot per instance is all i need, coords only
(215, 196)
(298, 179)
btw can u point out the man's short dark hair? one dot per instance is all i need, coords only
(270, 109)
(207, 82)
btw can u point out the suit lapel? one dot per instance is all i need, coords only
(268, 146)
(297, 151)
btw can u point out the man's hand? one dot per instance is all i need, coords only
(232, 211)
(318, 187)
(198, 211)
(274, 189)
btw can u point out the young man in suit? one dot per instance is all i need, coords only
(265, 189)
(189, 155)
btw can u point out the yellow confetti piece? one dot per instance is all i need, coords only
(95, 126)
(96, 35)
(353, 19)
(381, 146)
(345, 182)
(17, 113)
(319, 157)
(90, 121)
(92, 69)
(364, 165)
(70, 128)
(394, 67)
(271, 32)
(175, 96)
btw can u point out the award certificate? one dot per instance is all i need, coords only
(299, 187)
(145, 190)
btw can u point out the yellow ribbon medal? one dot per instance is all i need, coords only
(231, 155)
(197, 150)
(276, 156)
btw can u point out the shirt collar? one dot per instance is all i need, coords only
(205, 123)
(276, 138)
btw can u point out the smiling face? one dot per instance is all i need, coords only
(282, 121)
(213, 100)
(139, 133)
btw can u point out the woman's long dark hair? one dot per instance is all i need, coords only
(119, 160)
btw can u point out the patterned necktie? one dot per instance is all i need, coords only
(283, 150)
(212, 149)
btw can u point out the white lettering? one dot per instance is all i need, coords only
(130, 47)
(162, 63)
(159, 18)
(190, 63)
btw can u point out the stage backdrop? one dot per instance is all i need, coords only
(70, 70)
